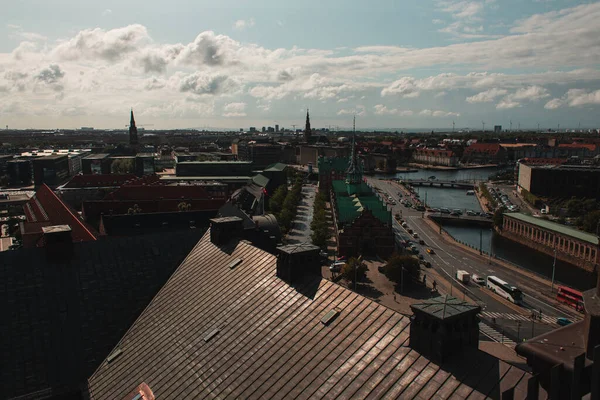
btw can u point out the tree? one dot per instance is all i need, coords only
(498, 218)
(348, 270)
(134, 210)
(395, 265)
(276, 201)
(590, 221)
(4, 180)
(381, 165)
(183, 206)
(122, 166)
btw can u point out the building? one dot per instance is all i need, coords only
(237, 322)
(307, 129)
(133, 133)
(96, 164)
(571, 245)
(497, 128)
(435, 157)
(12, 201)
(4, 159)
(213, 168)
(62, 316)
(484, 153)
(46, 209)
(50, 170)
(19, 172)
(260, 154)
(362, 222)
(90, 187)
(562, 181)
(331, 169)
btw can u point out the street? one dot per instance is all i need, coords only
(300, 231)
(450, 257)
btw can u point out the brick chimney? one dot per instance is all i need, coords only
(223, 229)
(296, 261)
(58, 242)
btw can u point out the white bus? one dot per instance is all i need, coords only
(509, 292)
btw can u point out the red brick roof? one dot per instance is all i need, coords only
(590, 147)
(487, 148)
(46, 209)
(436, 152)
(105, 180)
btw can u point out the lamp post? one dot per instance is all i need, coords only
(553, 271)
(490, 255)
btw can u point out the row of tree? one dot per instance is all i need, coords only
(319, 224)
(284, 203)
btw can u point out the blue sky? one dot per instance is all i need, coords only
(234, 64)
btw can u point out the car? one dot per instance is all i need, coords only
(427, 264)
(471, 213)
(562, 321)
(380, 269)
(445, 211)
(430, 251)
(393, 202)
(404, 225)
(478, 280)
(420, 208)
(421, 257)
(434, 210)
(543, 211)
(410, 231)
(458, 211)
(455, 214)
(421, 242)
(415, 235)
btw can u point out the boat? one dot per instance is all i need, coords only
(470, 193)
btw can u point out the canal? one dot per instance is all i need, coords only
(485, 239)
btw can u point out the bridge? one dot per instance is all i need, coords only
(463, 220)
(469, 185)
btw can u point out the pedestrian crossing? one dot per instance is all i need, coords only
(517, 317)
(495, 335)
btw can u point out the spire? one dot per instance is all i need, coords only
(307, 130)
(133, 138)
(354, 172)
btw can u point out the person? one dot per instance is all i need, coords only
(434, 284)
(540, 314)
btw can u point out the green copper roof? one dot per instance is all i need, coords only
(260, 180)
(350, 207)
(276, 167)
(554, 227)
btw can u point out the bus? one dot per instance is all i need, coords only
(509, 292)
(571, 297)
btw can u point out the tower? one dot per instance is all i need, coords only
(307, 130)
(133, 137)
(354, 171)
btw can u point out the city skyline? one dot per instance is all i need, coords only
(234, 65)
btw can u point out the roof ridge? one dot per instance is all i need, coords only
(79, 221)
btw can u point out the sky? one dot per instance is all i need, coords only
(232, 64)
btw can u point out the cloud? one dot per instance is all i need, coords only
(527, 94)
(234, 110)
(154, 83)
(208, 49)
(359, 111)
(487, 96)
(438, 113)
(405, 87)
(554, 104)
(507, 103)
(462, 9)
(106, 12)
(242, 24)
(202, 84)
(97, 43)
(575, 98)
(50, 75)
(380, 109)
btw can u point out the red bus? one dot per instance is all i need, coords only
(570, 297)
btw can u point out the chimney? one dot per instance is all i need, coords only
(295, 261)
(58, 242)
(223, 229)
(444, 326)
(591, 321)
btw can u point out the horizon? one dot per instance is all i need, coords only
(234, 65)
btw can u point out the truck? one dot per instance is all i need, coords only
(463, 276)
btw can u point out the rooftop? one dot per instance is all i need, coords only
(276, 167)
(220, 162)
(445, 307)
(219, 331)
(567, 167)
(97, 156)
(350, 207)
(205, 178)
(554, 227)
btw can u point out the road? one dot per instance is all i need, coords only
(300, 232)
(450, 257)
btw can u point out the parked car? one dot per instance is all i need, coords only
(427, 264)
(543, 211)
(430, 251)
(421, 257)
(478, 280)
(415, 235)
(562, 321)
(421, 242)
(435, 210)
(445, 211)
(410, 231)
(455, 214)
(471, 213)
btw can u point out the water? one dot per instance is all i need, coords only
(458, 175)
(448, 198)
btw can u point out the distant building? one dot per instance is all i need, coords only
(435, 157)
(214, 168)
(497, 128)
(50, 170)
(563, 181)
(261, 154)
(252, 129)
(133, 133)
(4, 159)
(484, 153)
(307, 129)
(331, 169)
(91, 187)
(96, 164)
(312, 153)
(19, 172)
(276, 128)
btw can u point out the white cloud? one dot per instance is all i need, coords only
(438, 113)
(359, 111)
(242, 24)
(507, 103)
(575, 98)
(531, 93)
(380, 109)
(405, 87)
(554, 104)
(440, 94)
(106, 12)
(487, 96)
(234, 110)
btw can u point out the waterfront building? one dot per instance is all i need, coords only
(484, 153)
(362, 222)
(563, 181)
(571, 245)
(435, 157)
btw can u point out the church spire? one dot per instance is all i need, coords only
(133, 138)
(307, 130)
(354, 172)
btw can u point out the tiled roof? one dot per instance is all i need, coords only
(60, 320)
(276, 167)
(349, 208)
(45, 206)
(216, 331)
(487, 148)
(106, 180)
(260, 180)
(435, 152)
(590, 147)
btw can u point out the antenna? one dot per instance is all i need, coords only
(354, 125)
(483, 124)
(294, 126)
(558, 128)
(452, 126)
(511, 125)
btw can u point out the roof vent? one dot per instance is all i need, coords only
(235, 263)
(330, 316)
(113, 356)
(212, 334)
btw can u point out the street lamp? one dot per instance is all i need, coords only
(553, 271)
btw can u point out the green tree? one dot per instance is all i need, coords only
(498, 218)
(348, 270)
(122, 166)
(276, 201)
(183, 206)
(395, 265)
(4, 180)
(590, 221)
(134, 210)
